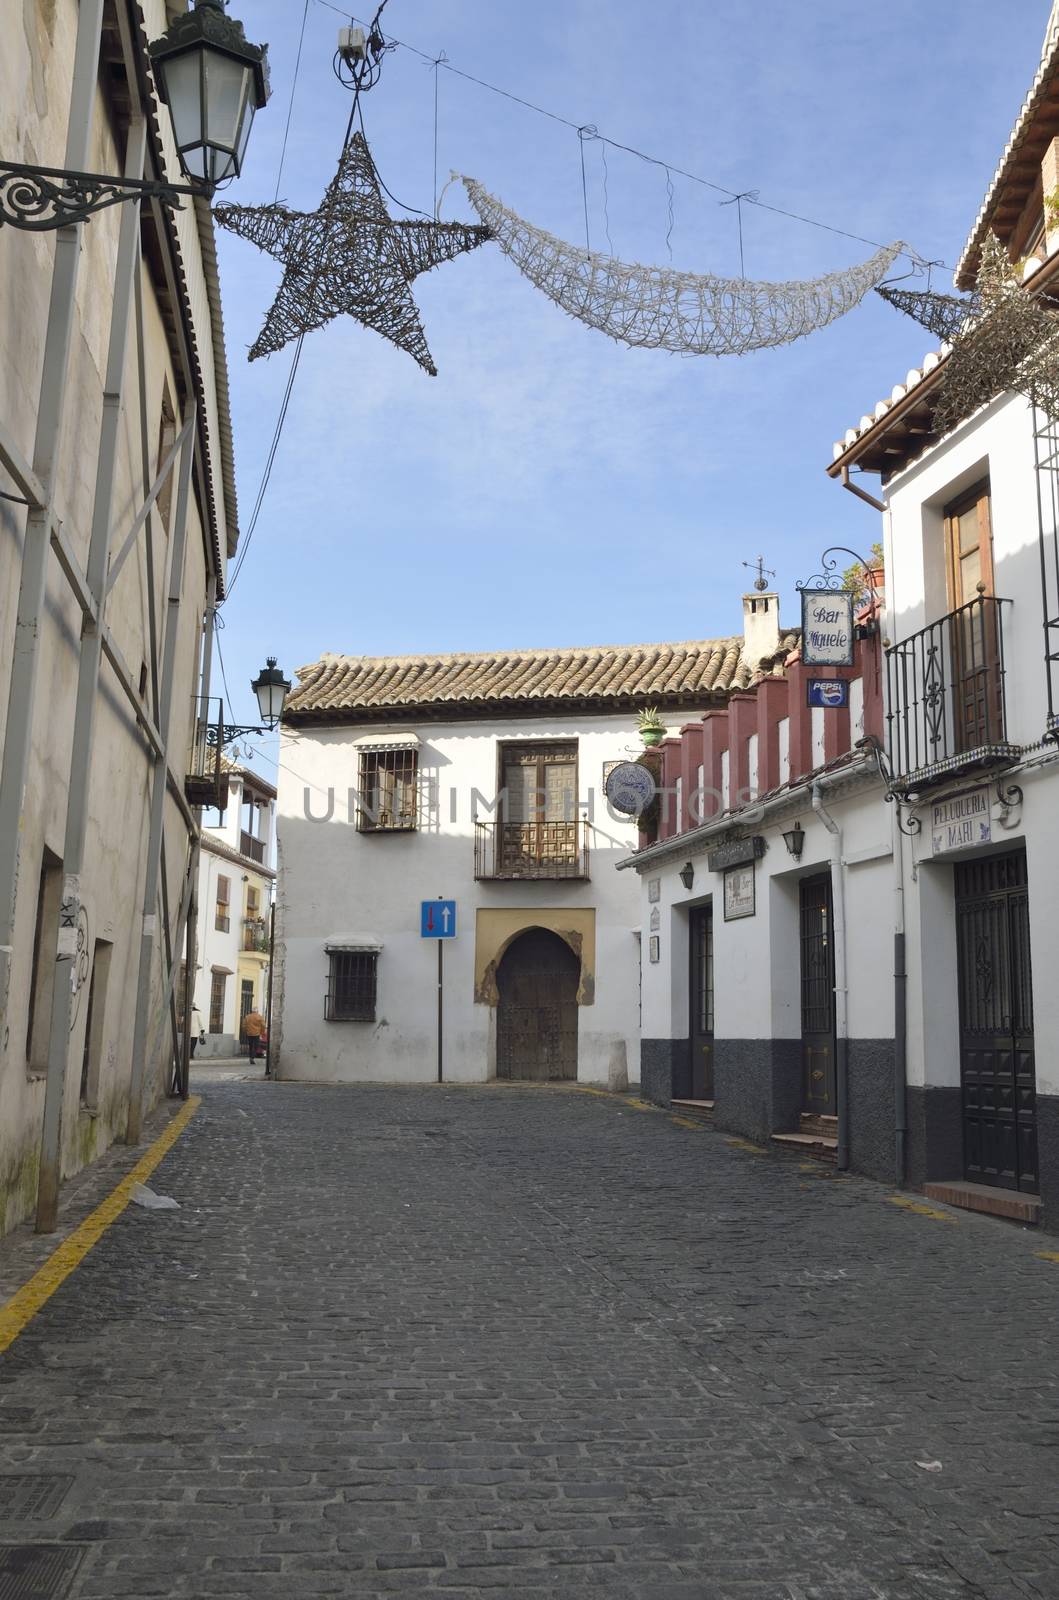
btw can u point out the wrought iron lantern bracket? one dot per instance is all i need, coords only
(829, 576)
(226, 734)
(41, 199)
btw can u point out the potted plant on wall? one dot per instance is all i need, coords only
(652, 729)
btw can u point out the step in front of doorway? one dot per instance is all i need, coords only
(815, 1145)
(982, 1197)
(703, 1109)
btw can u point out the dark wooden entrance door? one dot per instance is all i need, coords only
(997, 1072)
(818, 996)
(701, 1030)
(536, 1034)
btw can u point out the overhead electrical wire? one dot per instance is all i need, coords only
(616, 144)
(244, 543)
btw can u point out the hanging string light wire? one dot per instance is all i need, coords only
(641, 155)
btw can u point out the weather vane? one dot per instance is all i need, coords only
(761, 582)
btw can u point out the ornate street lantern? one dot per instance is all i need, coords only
(272, 689)
(212, 81)
(794, 839)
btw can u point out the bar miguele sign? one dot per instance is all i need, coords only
(827, 627)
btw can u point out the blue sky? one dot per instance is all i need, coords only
(551, 487)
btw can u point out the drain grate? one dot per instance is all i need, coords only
(37, 1571)
(39, 1495)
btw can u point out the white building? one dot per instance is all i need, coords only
(236, 882)
(392, 787)
(973, 701)
(117, 519)
(764, 918)
(866, 968)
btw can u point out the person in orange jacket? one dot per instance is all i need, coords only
(254, 1028)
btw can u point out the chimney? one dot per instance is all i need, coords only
(761, 627)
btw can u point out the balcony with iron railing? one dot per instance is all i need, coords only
(947, 698)
(250, 845)
(255, 936)
(521, 851)
(205, 779)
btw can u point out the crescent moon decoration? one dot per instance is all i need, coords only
(688, 313)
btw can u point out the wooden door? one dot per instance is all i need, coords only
(701, 988)
(818, 996)
(537, 980)
(997, 1070)
(975, 641)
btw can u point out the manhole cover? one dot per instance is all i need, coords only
(37, 1571)
(32, 1496)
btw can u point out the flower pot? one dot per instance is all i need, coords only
(652, 736)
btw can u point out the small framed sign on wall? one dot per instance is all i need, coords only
(654, 948)
(739, 892)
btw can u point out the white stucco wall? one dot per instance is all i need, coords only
(757, 959)
(996, 443)
(333, 880)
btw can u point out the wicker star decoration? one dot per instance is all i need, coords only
(348, 257)
(1013, 343)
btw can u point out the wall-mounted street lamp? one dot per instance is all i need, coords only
(794, 839)
(687, 874)
(271, 689)
(212, 80)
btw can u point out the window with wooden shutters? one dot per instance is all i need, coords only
(351, 985)
(222, 915)
(388, 790)
(977, 707)
(538, 815)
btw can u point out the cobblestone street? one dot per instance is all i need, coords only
(523, 1342)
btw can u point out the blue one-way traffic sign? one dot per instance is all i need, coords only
(438, 919)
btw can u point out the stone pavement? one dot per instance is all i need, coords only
(525, 1343)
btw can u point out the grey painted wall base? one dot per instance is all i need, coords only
(663, 1070)
(872, 1106)
(757, 1085)
(935, 1135)
(1048, 1159)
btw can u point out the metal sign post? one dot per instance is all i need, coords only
(437, 920)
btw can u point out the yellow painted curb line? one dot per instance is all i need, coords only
(23, 1306)
(744, 1144)
(686, 1122)
(921, 1210)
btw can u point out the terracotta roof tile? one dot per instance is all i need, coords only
(351, 687)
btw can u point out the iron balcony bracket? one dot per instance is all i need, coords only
(41, 199)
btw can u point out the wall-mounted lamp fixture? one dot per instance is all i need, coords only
(794, 839)
(687, 874)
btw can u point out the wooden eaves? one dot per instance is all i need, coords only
(905, 429)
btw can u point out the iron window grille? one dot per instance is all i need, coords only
(388, 792)
(218, 981)
(352, 982)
